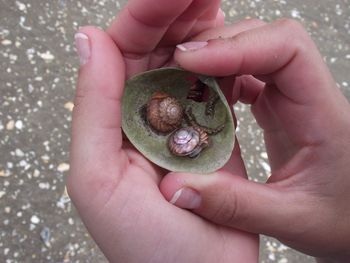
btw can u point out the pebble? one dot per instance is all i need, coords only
(69, 106)
(45, 235)
(19, 124)
(6, 42)
(10, 125)
(35, 219)
(47, 56)
(63, 167)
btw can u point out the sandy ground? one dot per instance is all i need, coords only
(38, 73)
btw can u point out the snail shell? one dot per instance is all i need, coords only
(164, 113)
(188, 141)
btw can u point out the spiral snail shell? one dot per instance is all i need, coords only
(164, 112)
(210, 123)
(188, 141)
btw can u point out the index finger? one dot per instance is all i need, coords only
(141, 24)
(303, 93)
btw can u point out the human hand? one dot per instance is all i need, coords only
(114, 188)
(147, 32)
(306, 123)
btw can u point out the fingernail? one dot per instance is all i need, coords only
(82, 44)
(186, 198)
(191, 46)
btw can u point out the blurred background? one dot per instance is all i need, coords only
(38, 72)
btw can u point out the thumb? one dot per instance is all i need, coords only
(234, 201)
(96, 126)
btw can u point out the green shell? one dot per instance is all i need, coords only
(153, 146)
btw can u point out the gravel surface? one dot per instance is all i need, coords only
(38, 73)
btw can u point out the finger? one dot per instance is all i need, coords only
(96, 128)
(200, 15)
(223, 32)
(202, 12)
(245, 88)
(211, 18)
(235, 164)
(140, 26)
(178, 32)
(236, 202)
(282, 48)
(303, 88)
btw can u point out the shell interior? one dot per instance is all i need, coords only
(176, 82)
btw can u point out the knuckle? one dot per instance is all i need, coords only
(228, 213)
(292, 28)
(290, 24)
(296, 37)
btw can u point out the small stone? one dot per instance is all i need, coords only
(19, 125)
(21, 6)
(45, 235)
(295, 13)
(10, 125)
(272, 256)
(35, 220)
(6, 42)
(30, 88)
(70, 221)
(23, 163)
(47, 56)
(63, 167)
(19, 153)
(69, 106)
(44, 185)
(2, 193)
(265, 166)
(45, 158)
(64, 199)
(36, 173)
(264, 155)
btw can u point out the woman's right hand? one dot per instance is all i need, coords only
(306, 123)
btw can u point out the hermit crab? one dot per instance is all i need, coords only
(179, 120)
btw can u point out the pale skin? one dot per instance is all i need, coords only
(122, 197)
(114, 188)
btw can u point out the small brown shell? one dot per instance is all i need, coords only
(164, 112)
(188, 141)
